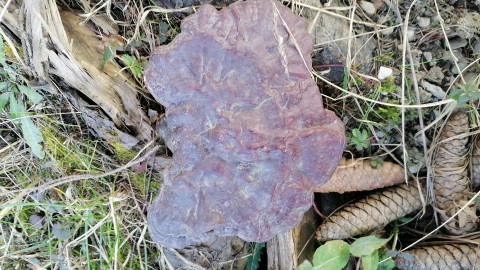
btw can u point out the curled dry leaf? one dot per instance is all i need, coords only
(358, 174)
(441, 257)
(451, 183)
(371, 213)
(245, 123)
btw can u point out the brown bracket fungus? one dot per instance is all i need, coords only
(245, 123)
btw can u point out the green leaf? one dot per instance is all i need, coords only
(17, 109)
(388, 264)
(30, 93)
(108, 54)
(467, 93)
(128, 60)
(386, 261)
(360, 139)
(135, 66)
(32, 136)
(376, 162)
(305, 265)
(405, 220)
(332, 255)
(31, 133)
(4, 86)
(163, 29)
(4, 97)
(367, 245)
(370, 262)
(3, 58)
(253, 261)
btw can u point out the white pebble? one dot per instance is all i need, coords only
(368, 7)
(423, 22)
(411, 34)
(384, 73)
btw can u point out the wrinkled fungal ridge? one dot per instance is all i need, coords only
(245, 123)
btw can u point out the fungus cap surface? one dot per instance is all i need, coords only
(245, 123)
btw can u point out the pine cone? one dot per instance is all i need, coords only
(444, 257)
(451, 183)
(358, 174)
(370, 213)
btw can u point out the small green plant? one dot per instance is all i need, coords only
(388, 86)
(110, 47)
(391, 115)
(163, 29)
(359, 139)
(254, 260)
(14, 93)
(335, 254)
(109, 53)
(135, 66)
(466, 93)
(376, 162)
(385, 58)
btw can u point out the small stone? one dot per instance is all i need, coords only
(424, 95)
(384, 73)
(476, 47)
(411, 34)
(428, 56)
(420, 75)
(36, 221)
(435, 74)
(461, 66)
(152, 114)
(378, 4)
(435, 90)
(237, 244)
(423, 22)
(368, 7)
(457, 56)
(457, 43)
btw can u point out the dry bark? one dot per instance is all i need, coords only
(371, 213)
(358, 174)
(451, 182)
(281, 255)
(444, 257)
(288, 250)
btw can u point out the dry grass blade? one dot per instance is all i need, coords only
(444, 257)
(359, 174)
(371, 213)
(59, 47)
(451, 183)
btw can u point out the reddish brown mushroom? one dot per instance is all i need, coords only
(245, 123)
